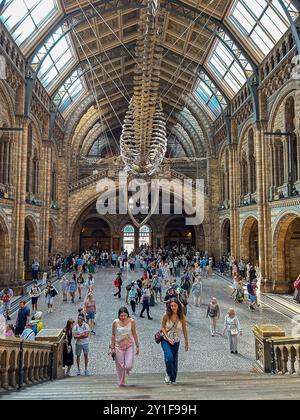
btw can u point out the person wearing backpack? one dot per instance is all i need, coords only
(213, 312)
(38, 323)
(34, 294)
(50, 293)
(118, 283)
(251, 289)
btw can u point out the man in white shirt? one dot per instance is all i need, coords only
(81, 333)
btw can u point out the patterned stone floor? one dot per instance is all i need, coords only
(206, 353)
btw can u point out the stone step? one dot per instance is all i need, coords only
(191, 386)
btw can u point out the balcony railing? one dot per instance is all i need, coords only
(24, 362)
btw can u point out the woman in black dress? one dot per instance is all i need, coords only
(68, 356)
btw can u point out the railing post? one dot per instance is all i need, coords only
(273, 357)
(51, 364)
(20, 366)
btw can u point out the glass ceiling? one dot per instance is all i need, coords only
(207, 98)
(227, 69)
(69, 92)
(53, 58)
(25, 18)
(261, 22)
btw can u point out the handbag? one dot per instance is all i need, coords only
(234, 331)
(158, 337)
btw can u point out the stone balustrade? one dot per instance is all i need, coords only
(276, 353)
(85, 182)
(24, 362)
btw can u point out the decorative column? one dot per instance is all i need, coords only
(264, 228)
(234, 217)
(45, 192)
(20, 187)
(136, 238)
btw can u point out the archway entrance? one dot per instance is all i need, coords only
(225, 238)
(287, 253)
(128, 238)
(177, 232)
(30, 247)
(95, 234)
(5, 253)
(145, 234)
(249, 241)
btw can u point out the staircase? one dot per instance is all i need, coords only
(191, 386)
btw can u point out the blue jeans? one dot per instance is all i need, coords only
(171, 359)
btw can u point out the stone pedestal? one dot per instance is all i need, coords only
(263, 348)
(54, 337)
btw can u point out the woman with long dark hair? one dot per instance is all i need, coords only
(124, 336)
(173, 324)
(68, 356)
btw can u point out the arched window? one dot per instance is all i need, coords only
(244, 175)
(5, 158)
(145, 235)
(128, 238)
(290, 128)
(35, 173)
(29, 154)
(252, 162)
(54, 184)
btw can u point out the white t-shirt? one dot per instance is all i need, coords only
(79, 330)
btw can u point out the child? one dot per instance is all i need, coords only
(10, 331)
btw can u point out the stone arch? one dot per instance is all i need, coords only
(95, 233)
(249, 241)
(225, 243)
(5, 250)
(283, 94)
(175, 232)
(286, 256)
(31, 244)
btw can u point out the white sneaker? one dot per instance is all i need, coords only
(173, 383)
(167, 379)
(51, 310)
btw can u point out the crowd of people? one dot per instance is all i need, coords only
(171, 276)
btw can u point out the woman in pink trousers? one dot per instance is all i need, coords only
(124, 336)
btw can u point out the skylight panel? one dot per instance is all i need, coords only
(69, 92)
(25, 18)
(54, 57)
(227, 69)
(207, 98)
(261, 22)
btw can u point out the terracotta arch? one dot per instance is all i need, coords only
(286, 256)
(249, 241)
